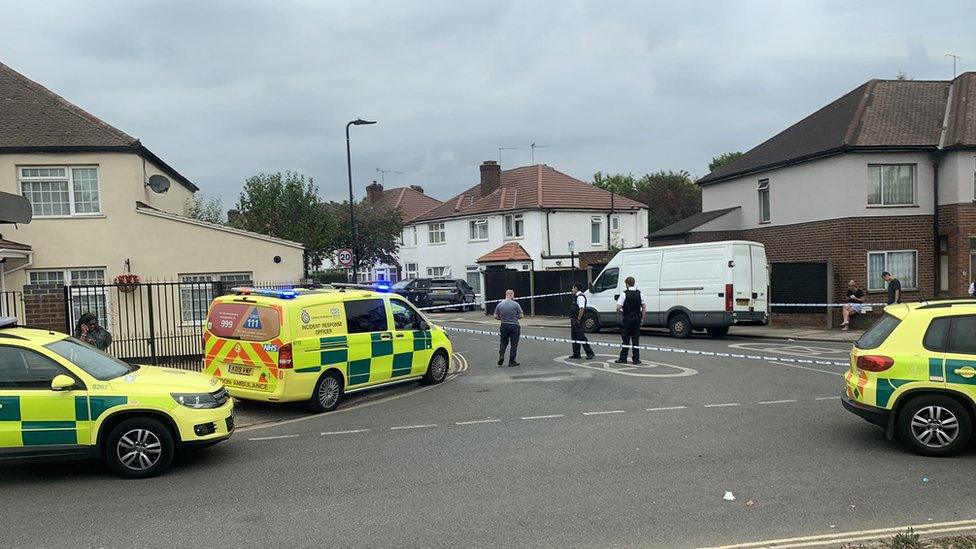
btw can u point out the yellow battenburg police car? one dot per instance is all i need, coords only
(316, 345)
(914, 373)
(60, 398)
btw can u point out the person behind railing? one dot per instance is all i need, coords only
(854, 305)
(88, 331)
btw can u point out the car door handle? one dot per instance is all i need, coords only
(966, 371)
(400, 335)
(386, 336)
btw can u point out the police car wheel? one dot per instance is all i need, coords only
(680, 326)
(327, 393)
(437, 369)
(140, 447)
(934, 425)
(590, 322)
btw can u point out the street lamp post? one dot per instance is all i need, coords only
(352, 214)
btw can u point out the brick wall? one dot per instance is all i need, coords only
(44, 307)
(957, 222)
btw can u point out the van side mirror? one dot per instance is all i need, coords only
(62, 382)
(590, 286)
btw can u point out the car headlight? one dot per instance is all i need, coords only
(196, 400)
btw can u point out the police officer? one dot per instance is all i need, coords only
(576, 311)
(632, 305)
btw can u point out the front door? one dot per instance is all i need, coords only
(412, 348)
(32, 416)
(960, 356)
(370, 342)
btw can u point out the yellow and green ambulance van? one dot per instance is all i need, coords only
(317, 345)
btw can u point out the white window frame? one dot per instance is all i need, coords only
(409, 272)
(68, 178)
(887, 268)
(765, 204)
(596, 220)
(514, 226)
(445, 272)
(473, 270)
(98, 290)
(476, 226)
(882, 204)
(191, 283)
(615, 223)
(436, 229)
(408, 238)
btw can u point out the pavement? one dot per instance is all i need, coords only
(551, 453)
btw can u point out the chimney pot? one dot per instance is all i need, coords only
(491, 177)
(417, 188)
(374, 191)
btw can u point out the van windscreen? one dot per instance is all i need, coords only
(244, 321)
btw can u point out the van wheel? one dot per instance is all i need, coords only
(437, 369)
(934, 425)
(140, 447)
(680, 326)
(327, 393)
(718, 332)
(590, 322)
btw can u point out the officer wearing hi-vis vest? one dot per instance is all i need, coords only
(632, 305)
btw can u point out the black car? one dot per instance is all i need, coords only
(433, 292)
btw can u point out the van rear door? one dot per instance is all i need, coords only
(242, 343)
(742, 288)
(760, 279)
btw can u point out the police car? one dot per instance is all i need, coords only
(60, 398)
(317, 345)
(914, 374)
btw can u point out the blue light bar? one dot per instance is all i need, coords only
(383, 286)
(280, 294)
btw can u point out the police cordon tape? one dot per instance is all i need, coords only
(477, 303)
(656, 349)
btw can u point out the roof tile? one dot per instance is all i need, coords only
(511, 251)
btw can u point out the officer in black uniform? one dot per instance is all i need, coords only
(576, 311)
(632, 305)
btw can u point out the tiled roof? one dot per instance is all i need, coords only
(892, 114)
(512, 251)
(685, 226)
(410, 201)
(33, 118)
(531, 187)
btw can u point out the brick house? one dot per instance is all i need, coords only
(411, 201)
(880, 179)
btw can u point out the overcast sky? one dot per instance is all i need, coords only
(225, 90)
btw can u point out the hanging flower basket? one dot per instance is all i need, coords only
(127, 283)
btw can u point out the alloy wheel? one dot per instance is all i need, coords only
(329, 392)
(139, 449)
(438, 367)
(935, 426)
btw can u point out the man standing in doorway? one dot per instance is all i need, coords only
(508, 312)
(576, 311)
(894, 288)
(633, 306)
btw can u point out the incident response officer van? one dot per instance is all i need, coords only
(316, 345)
(708, 286)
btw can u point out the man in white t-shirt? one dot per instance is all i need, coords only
(576, 311)
(633, 307)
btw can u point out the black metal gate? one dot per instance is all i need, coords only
(799, 283)
(538, 283)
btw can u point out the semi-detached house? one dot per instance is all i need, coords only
(882, 179)
(526, 218)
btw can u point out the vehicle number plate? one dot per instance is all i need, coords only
(741, 301)
(239, 370)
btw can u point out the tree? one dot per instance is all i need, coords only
(902, 76)
(723, 159)
(377, 232)
(620, 184)
(670, 196)
(209, 209)
(287, 206)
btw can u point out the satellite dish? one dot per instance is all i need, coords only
(158, 183)
(14, 209)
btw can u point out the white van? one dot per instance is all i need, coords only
(690, 287)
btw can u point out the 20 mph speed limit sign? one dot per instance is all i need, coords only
(345, 257)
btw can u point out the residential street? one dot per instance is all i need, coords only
(550, 453)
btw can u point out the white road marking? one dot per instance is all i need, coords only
(827, 398)
(806, 368)
(475, 422)
(544, 417)
(353, 431)
(425, 426)
(721, 405)
(604, 412)
(663, 408)
(784, 401)
(274, 438)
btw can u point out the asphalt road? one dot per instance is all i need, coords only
(550, 453)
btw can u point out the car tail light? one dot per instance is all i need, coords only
(728, 298)
(284, 356)
(874, 363)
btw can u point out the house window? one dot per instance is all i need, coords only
(763, 190)
(409, 236)
(435, 233)
(514, 226)
(410, 271)
(891, 184)
(596, 230)
(437, 272)
(87, 287)
(62, 190)
(902, 264)
(478, 229)
(615, 223)
(473, 276)
(197, 291)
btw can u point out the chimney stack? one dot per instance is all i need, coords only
(417, 188)
(233, 217)
(373, 192)
(491, 177)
